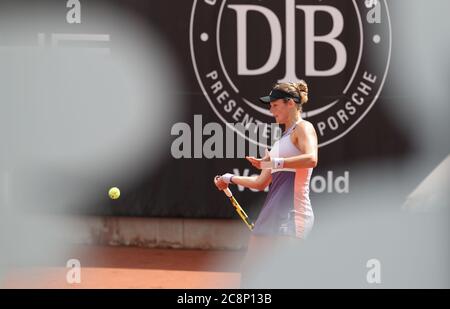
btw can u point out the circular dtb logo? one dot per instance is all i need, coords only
(341, 48)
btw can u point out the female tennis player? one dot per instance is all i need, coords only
(287, 211)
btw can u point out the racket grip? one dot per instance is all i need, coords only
(228, 192)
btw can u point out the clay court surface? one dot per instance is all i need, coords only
(128, 267)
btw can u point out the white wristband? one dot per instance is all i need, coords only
(277, 163)
(227, 177)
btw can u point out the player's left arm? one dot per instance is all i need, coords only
(305, 140)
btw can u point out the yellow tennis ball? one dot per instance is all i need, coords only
(114, 193)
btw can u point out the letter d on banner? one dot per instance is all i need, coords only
(275, 36)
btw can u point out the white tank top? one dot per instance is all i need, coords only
(284, 148)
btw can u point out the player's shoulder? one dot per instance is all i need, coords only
(304, 126)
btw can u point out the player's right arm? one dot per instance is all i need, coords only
(259, 182)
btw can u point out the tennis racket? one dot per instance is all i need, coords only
(238, 209)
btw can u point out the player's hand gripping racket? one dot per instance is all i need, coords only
(238, 209)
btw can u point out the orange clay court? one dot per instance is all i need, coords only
(132, 267)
